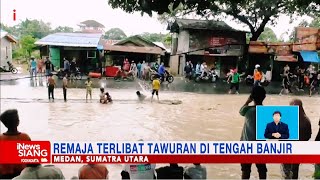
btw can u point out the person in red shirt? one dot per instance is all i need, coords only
(10, 120)
(93, 171)
(126, 65)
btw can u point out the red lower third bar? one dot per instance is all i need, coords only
(122, 159)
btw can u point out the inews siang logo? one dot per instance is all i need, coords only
(32, 153)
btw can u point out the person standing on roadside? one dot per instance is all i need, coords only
(66, 66)
(40, 66)
(33, 67)
(291, 171)
(139, 65)
(188, 71)
(133, 68)
(258, 94)
(48, 66)
(65, 86)
(51, 85)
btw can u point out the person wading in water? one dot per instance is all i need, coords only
(51, 85)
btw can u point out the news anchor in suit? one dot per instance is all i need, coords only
(276, 129)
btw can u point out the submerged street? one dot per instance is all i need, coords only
(202, 114)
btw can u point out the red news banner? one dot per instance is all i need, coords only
(28, 152)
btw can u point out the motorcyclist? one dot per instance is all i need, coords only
(162, 71)
(9, 64)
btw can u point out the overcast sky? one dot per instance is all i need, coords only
(72, 12)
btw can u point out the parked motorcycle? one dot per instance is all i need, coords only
(215, 76)
(123, 75)
(77, 74)
(167, 77)
(210, 76)
(11, 68)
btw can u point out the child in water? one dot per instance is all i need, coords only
(155, 87)
(104, 97)
(88, 84)
(140, 96)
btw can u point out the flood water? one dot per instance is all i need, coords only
(200, 117)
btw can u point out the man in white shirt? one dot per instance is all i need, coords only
(203, 68)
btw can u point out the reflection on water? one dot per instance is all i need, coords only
(199, 118)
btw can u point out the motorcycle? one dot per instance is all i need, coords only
(210, 76)
(167, 77)
(215, 76)
(77, 74)
(11, 69)
(124, 75)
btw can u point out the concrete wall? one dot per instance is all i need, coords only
(6, 51)
(183, 47)
(174, 64)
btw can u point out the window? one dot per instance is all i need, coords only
(91, 54)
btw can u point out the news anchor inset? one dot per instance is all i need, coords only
(276, 129)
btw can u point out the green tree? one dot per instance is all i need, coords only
(254, 13)
(167, 39)
(268, 35)
(10, 30)
(65, 29)
(34, 28)
(115, 34)
(27, 45)
(315, 22)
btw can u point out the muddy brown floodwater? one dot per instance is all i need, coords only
(200, 117)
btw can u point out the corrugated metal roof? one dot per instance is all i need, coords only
(3, 33)
(10, 37)
(204, 24)
(71, 40)
(160, 44)
(134, 49)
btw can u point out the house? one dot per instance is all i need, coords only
(307, 43)
(91, 26)
(300, 53)
(134, 48)
(85, 47)
(213, 42)
(7, 42)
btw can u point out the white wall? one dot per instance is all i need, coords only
(6, 51)
(183, 46)
(183, 41)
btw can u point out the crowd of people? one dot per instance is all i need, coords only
(143, 70)
(41, 67)
(300, 78)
